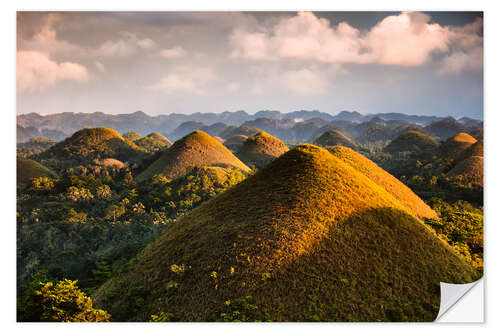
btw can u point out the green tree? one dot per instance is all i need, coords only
(61, 302)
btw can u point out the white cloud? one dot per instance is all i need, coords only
(185, 79)
(127, 45)
(35, 71)
(174, 52)
(407, 39)
(233, 86)
(305, 82)
(99, 66)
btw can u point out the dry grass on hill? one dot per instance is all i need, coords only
(309, 237)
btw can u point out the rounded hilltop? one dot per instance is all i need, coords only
(334, 138)
(89, 144)
(412, 141)
(27, 169)
(239, 130)
(296, 241)
(261, 149)
(153, 142)
(456, 145)
(195, 149)
(132, 136)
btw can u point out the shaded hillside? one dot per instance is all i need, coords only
(334, 138)
(261, 149)
(412, 141)
(132, 136)
(235, 142)
(33, 146)
(240, 130)
(471, 168)
(477, 149)
(88, 144)
(445, 128)
(28, 169)
(456, 145)
(298, 241)
(153, 142)
(195, 149)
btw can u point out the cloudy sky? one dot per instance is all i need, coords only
(185, 62)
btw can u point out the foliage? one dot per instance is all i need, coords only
(59, 302)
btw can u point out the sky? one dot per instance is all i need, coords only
(425, 63)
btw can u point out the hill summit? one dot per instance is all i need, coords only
(89, 144)
(307, 238)
(413, 141)
(334, 138)
(28, 169)
(456, 145)
(261, 149)
(195, 149)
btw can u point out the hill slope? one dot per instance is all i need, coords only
(89, 144)
(261, 149)
(334, 138)
(235, 142)
(413, 141)
(153, 142)
(391, 184)
(472, 168)
(456, 145)
(195, 149)
(29, 169)
(307, 238)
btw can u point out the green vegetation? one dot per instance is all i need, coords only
(188, 232)
(261, 149)
(304, 237)
(88, 145)
(153, 142)
(58, 302)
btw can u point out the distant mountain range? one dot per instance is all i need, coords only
(61, 125)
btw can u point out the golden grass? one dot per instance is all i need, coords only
(132, 136)
(456, 145)
(334, 138)
(195, 149)
(309, 237)
(261, 149)
(414, 205)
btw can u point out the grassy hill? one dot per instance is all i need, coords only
(239, 130)
(413, 141)
(88, 144)
(307, 238)
(477, 149)
(235, 142)
(153, 142)
(334, 138)
(471, 168)
(261, 149)
(195, 149)
(132, 136)
(456, 145)
(391, 184)
(29, 169)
